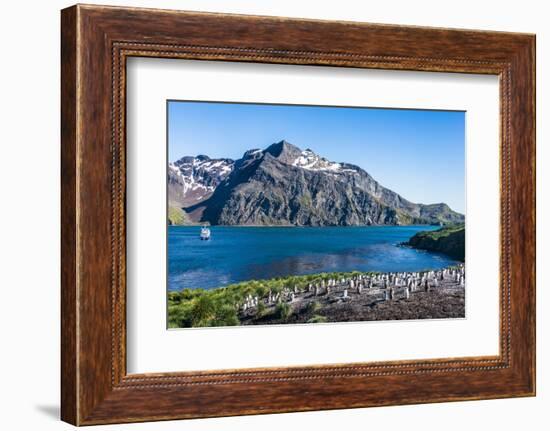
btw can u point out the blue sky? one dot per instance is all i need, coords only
(417, 153)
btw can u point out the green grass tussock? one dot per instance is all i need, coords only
(316, 318)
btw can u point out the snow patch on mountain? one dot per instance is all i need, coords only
(189, 182)
(199, 176)
(312, 162)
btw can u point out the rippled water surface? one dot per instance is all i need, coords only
(236, 254)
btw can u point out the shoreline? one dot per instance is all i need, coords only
(323, 298)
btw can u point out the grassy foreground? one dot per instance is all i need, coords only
(191, 308)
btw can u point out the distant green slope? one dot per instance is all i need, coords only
(176, 216)
(449, 240)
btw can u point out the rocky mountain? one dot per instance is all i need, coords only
(283, 185)
(194, 179)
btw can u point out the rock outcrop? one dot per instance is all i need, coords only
(449, 240)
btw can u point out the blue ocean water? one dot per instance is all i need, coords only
(235, 254)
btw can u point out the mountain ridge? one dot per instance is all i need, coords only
(283, 185)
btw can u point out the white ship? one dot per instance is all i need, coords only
(205, 233)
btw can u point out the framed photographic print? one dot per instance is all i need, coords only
(324, 214)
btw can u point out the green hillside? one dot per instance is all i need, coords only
(449, 240)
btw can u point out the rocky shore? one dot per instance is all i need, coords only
(325, 298)
(449, 240)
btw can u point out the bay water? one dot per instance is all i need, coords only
(235, 254)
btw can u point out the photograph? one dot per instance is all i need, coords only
(292, 214)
